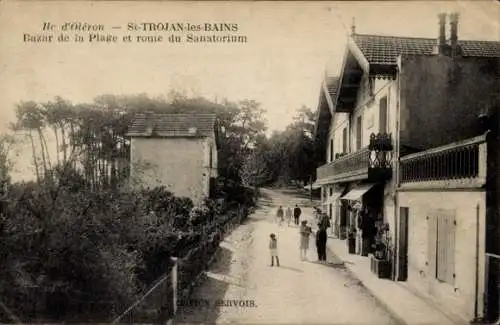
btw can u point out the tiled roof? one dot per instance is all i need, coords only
(173, 125)
(332, 83)
(379, 49)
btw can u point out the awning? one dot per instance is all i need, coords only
(357, 192)
(315, 185)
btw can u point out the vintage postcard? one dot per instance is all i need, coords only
(241, 162)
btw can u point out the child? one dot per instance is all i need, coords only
(273, 247)
(289, 214)
(305, 232)
(279, 215)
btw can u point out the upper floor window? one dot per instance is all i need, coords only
(331, 149)
(359, 132)
(210, 156)
(383, 115)
(344, 140)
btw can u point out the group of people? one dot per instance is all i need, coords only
(305, 232)
(281, 214)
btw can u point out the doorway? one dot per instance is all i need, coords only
(403, 244)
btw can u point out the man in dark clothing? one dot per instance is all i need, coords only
(324, 221)
(296, 214)
(321, 238)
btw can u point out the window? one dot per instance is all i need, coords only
(383, 115)
(210, 157)
(331, 149)
(344, 140)
(331, 191)
(441, 245)
(359, 132)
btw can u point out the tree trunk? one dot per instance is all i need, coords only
(56, 133)
(44, 160)
(63, 142)
(35, 162)
(47, 153)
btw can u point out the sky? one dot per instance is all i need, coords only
(290, 44)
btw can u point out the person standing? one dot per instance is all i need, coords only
(305, 232)
(273, 248)
(296, 214)
(280, 215)
(321, 238)
(324, 221)
(288, 215)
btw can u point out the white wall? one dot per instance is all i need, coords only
(180, 164)
(459, 297)
(368, 108)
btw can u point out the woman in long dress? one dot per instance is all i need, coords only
(305, 233)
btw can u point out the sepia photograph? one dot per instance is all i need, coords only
(250, 162)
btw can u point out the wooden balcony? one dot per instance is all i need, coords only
(373, 163)
(460, 164)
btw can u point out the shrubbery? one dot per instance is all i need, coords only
(66, 250)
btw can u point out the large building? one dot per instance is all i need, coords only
(402, 134)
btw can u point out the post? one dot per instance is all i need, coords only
(476, 284)
(174, 284)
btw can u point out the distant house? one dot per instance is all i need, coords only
(178, 151)
(400, 132)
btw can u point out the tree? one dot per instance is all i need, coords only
(95, 133)
(289, 154)
(6, 145)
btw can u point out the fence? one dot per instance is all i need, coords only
(461, 161)
(159, 304)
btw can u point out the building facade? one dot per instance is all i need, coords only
(405, 154)
(178, 151)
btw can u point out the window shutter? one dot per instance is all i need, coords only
(431, 245)
(442, 239)
(450, 249)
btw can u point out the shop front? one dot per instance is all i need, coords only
(364, 204)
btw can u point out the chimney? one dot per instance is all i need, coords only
(441, 41)
(454, 34)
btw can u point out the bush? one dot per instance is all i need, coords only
(70, 250)
(85, 251)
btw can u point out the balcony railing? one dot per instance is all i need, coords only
(460, 162)
(374, 161)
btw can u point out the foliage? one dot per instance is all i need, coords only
(6, 165)
(93, 137)
(70, 250)
(76, 241)
(287, 155)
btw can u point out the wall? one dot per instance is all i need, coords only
(459, 297)
(340, 122)
(180, 164)
(446, 95)
(368, 108)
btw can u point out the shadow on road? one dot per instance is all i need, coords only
(290, 268)
(328, 264)
(202, 305)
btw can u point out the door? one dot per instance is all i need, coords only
(383, 115)
(344, 140)
(403, 244)
(359, 133)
